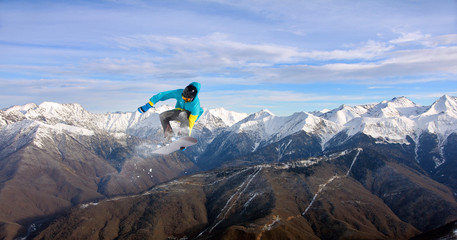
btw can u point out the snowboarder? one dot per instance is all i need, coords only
(187, 110)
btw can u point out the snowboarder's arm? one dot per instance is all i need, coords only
(176, 94)
(160, 97)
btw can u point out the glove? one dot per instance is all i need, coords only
(146, 107)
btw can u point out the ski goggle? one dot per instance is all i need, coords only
(187, 99)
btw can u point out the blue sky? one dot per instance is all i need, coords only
(286, 56)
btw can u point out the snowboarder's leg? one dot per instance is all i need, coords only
(183, 118)
(165, 119)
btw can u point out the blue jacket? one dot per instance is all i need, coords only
(193, 107)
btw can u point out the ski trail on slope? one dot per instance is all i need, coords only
(276, 219)
(237, 195)
(229, 177)
(323, 186)
(353, 161)
(232, 201)
(416, 147)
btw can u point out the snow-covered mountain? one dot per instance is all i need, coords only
(395, 121)
(264, 128)
(73, 118)
(83, 156)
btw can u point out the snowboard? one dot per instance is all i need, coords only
(180, 144)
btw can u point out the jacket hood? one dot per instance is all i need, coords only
(197, 85)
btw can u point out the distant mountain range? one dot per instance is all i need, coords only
(383, 171)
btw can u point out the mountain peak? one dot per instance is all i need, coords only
(398, 106)
(448, 99)
(402, 102)
(23, 109)
(228, 118)
(50, 105)
(222, 112)
(58, 108)
(344, 106)
(445, 104)
(265, 112)
(341, 115)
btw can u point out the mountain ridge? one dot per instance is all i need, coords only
(397, 108)
(82, 156)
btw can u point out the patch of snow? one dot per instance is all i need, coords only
(71, 129)
(250, 199)
(88, 205)
(270, 226)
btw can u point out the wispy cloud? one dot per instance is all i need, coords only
(412, 37)
(216, 52)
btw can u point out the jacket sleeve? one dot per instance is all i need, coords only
(195, 114)
(192, 119)
(166, 95)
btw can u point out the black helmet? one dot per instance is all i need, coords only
(190, 92)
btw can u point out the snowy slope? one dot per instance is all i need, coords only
(389, 121)
(344, 113)
(265, 127)
(394, 108)
(219, 117)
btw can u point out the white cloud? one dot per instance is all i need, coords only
(221, 59)
(412, 37)
(369, 50)
(215, 46)
(219, 47)
(421, 61)
(447, 39)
